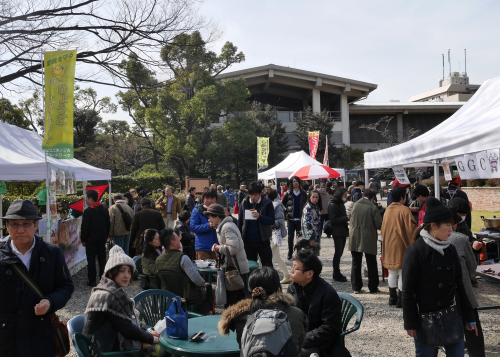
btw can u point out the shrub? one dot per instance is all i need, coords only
(430, 181)
(151, 181)
(493, 183)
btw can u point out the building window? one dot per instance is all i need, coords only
(337, 137)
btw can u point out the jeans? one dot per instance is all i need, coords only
(260, 249)
(371, 263)
(123, 242)
(455, 350)
(293, 226)
(339, 250)
(94, 249)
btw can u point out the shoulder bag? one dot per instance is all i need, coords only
(232, 277)
(60, 327)
(127, 220)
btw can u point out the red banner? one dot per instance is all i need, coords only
(325, 158)
(78, 205)
(313, 143)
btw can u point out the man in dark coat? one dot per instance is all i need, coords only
(294, 201)
(94, 234)
(357, 191)
(319, 302)
(146, 218)
(240, 196)
(25, 328)
(191, 199)
(455, 190)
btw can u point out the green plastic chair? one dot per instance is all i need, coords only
(350, 306)
(85, 348)
(152, 305)
(176, 283)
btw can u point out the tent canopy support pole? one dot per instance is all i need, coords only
(366, 177)
(1, 215)
(109, 194)
(437, 192)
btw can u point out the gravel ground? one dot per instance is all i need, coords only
(381, 332)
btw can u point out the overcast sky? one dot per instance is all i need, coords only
(394, 44)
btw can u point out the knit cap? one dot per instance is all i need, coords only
(118, 257)
(436, 211)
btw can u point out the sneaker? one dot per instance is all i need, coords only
(285, 280)
(360, 291)
(339, 277)
(474, 282)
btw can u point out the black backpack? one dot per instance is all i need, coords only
(126, 217)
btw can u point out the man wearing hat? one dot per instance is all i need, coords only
(455, 190)
(118, 230)
(25, 328)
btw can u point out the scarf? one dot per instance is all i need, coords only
(434, 243)
(95, 204)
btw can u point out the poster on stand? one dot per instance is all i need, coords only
(400, 174)
(68, 239)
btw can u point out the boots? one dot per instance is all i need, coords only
(399, 303)
(393, 296)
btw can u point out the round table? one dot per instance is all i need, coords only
(215, 346)
(212, 270)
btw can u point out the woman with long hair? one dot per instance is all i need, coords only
(264, 283)
(130, 199)
(433, 284)
(149, 251)
(311, 221)
(340, 230)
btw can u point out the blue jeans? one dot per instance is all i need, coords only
(123, 242)
(455, 350)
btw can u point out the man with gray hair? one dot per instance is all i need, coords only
(221, 197)
(119, 230)
(169, 206)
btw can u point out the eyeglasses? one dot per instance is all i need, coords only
(302, 270)
(25, 225)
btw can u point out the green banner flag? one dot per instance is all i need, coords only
(59, 69)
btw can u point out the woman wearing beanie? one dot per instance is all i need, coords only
(432, 282)
(110, 321)
(229, 237)
(266, 294)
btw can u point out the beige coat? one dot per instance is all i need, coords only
(176, 207)
(397, 234)
(230, 241)
(117, 226)
(365, 220)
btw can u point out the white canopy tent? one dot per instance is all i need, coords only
(292, 163)
(472, 129)
(23, 159)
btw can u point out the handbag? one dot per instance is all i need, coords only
(441, 328)
(232, 277)
(60, 327)
(220, 289)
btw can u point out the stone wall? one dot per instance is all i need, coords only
(484, 198)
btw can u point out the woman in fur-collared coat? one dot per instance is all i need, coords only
(266, 294)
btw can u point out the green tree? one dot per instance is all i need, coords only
(12, 114)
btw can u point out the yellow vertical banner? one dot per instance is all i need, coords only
(262, 152)
(59, 69)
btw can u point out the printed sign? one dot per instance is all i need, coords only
(262, 152)
(461, 167)
(325, 158)
(446, 168)
(400, 174)
(313, 143)
(493, 156)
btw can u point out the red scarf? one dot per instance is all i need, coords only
(95, 204)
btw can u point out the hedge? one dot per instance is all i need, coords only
(465, 183)
(150, 181)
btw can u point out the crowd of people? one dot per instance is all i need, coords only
(427, 247)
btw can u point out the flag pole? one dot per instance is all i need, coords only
(257, 158)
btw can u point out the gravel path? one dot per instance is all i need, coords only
(381, 332)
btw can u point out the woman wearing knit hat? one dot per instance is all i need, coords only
(110, 321)
(432, 282)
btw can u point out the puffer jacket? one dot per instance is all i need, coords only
(231, 243)
(235, 317)
(22, 333)
(206, 237)
(338, 217)
(288, 202)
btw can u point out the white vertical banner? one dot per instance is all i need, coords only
(471, 167)
(400, 174)
(493, 157)
(460, 162)
(483, 165)
(446, 168)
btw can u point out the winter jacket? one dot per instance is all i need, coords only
(240, 196)
(117, 224)
(325, 201)
(468, 263)
(190, 202)
(338, 217)
(431, 282)
(356, 194)
(266, 220)
(176, 206)
(311, 223)
(22, 333)
(95, 223)
(110, 321)
(146, 218)
(230, 242)
(230, 198)
(322, 309)
(235, 317)
(206, 237)
(364, 223)
(397, 234)
(288, 202)
(221, 199)
(279, 217)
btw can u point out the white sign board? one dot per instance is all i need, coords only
(400, 174)
(446, 168)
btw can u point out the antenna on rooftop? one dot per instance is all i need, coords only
(449, 61)
(443, 66)
(465, 53)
